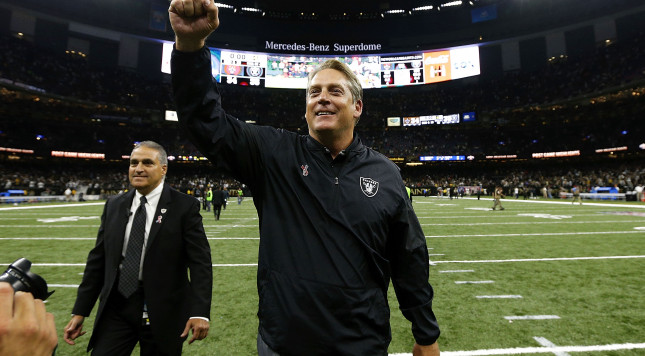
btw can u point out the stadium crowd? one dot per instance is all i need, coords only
(102, 180)
(52, 101)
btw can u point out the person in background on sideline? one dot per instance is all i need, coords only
(240, 196)
(209, 198)
(575, 191)
(498, 194)
(218, 201)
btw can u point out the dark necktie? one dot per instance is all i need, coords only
(129, 279)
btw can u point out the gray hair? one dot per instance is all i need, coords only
(354, 84)
(163, 156)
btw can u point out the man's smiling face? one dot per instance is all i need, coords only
(330, 105)
(146, 172)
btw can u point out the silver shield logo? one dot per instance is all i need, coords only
(369, 187)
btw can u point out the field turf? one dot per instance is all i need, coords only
(540, 277)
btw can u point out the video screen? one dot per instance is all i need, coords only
(374, 71)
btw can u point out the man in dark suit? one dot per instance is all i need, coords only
(218, 201)
(161, 306)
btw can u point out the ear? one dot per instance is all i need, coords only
(358, 109)
(164, 169)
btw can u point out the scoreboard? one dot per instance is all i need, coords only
(243, 68)
(374, 71)
(401, 70)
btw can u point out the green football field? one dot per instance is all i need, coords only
(540, 277)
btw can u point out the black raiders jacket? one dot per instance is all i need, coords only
(333, 232)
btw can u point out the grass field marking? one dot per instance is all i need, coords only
(538, 234)
(233, 238)
(436, 254)
(450, 215)
(63, 285)
(544, 259)
(83, 264)
(458, 271)
(50, 206)
(639, 228)
(229, 226)
(236, 265)
(49, 226)
(435, 262)
(474, 282)
(59, 264)
(539, 222)
(546, 216)
(531, 317)
(546, 343)
(538, 350)
(508, 296)
(48, 238)
(66, 219)
(566, 202)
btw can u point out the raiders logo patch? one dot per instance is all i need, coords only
(369, 186)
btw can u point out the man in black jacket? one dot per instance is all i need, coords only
(335, 222)
(218, 201)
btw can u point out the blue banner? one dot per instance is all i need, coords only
(158, 17)
(485, 13)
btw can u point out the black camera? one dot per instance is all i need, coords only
(22, 279)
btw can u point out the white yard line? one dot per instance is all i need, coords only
(47, 226)
(544, 259)
(560, 202)
(546, 343)
(83, 264)
(539, 350)
(50, 206)
(474, 282)
(48, 238)
(46, 264)
(539, 222)
(541, 234)
(531, 317)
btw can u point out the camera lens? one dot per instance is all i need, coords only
(20, 277)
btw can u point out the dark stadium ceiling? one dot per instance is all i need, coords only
(331, 5)
(289, 8)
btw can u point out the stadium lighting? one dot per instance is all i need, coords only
(452, 3)
(251, 9)
(394, 11)
(423, 8)
(223, 6)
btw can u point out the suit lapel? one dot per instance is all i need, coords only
(123, 215)
(160, 215)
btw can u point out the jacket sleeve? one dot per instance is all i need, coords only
(232, 146)
(198, 254)
(93, 276)
(410, 273)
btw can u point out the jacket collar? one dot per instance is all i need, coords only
(355, 147)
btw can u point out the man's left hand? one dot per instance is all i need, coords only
(198, 326)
